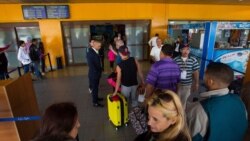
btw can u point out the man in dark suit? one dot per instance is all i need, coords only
(95, 71)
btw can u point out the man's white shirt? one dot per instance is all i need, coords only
(152, 41)
(155, 52)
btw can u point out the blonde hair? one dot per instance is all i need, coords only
(170, 105)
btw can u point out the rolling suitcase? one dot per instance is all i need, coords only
(117, 110)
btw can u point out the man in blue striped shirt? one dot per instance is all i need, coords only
(164, 74)
(189, 74)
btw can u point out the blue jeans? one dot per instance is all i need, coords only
(26, 68)
(130, 91)
(36, 64)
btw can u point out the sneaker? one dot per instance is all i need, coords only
(90, 91)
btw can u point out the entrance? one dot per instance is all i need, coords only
(77, 35)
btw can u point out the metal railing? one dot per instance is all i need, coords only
(18, 69)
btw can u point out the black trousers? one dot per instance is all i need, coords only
(94, 86)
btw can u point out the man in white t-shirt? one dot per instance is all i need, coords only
(155, 51)
(152, 41)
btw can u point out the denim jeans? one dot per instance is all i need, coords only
(36, 64)
(26, 68)
(130, 91)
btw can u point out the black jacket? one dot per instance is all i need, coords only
(34, 53)
(94, 62)
(3, 61)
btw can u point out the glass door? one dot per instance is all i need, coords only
(137, 34)
(11, 33)
(7, 36)
(76, 40)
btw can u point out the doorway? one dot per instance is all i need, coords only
(77, 35)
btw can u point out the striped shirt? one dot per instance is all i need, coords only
(164, 74)
(190, 66)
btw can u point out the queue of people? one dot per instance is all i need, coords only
(31, 55)
(218, 116)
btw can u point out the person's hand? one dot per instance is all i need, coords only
(141, 89)
(115, 93)
(195, 87)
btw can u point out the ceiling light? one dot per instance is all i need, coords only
(171, 22)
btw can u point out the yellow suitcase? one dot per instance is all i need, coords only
(117, 110)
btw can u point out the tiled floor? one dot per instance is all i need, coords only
(71, 84)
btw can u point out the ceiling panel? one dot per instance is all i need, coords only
(224, 2)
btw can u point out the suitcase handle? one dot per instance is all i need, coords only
(114, 98)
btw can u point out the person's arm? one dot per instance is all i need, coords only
(111, 48)
(19, 55)
(197, 121)
(93, 62)
(118, 79)
(150, 42)
(152, 54)
(139, 72)
(195, 68)
(196, 80)
(151, 80)
(149, 90)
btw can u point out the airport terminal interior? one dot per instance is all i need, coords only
(215, 30)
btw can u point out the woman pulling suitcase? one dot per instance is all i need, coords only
(127, 75)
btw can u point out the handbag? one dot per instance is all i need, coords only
(141, 97)
(141, 94)
(138, 119)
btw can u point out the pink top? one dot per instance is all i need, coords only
(111, 56)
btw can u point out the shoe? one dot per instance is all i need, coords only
(100, 99)
(90, 91)
(97, 105)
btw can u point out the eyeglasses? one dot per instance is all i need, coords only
(164, 97)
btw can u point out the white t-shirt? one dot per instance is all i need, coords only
(152, 41)
(177, 47)
(155, 52)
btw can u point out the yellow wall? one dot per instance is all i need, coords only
(51, 29)
(51, 36)
(158, 13)
(208, 12)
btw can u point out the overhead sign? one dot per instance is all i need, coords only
(233, 25)
(188, 26)
(57, 11)
(34, 12)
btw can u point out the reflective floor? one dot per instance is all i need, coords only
(71, 84)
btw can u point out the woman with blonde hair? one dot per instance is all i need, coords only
(166, 119)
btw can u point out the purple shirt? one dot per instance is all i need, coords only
(164, 74)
